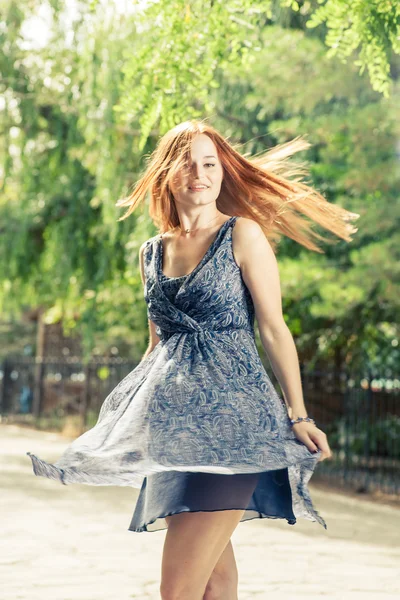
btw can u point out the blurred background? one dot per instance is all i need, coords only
(88, 88)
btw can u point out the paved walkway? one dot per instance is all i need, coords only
(72, 542)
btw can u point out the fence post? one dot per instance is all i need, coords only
(346, 412)
(38, 387)
(3, 393)
(86, 397)
(39, 367)
(368, 398)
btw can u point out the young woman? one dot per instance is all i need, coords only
(197, 425)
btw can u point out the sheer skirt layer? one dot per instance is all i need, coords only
(261, 495)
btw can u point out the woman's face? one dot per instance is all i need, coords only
(201, 182)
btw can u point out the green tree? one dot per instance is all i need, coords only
(70, 149)
(184, 45)
(342, 306)
(66, 162)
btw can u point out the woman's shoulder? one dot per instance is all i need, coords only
(248, 241)
(246, 229)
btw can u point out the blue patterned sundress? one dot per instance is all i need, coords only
(199, 406)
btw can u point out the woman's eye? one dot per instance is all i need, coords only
(210, 164)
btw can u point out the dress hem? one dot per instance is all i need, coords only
(45, 469)
(299, 476)
(144, 529)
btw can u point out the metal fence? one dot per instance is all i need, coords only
(359, 413)
(58, 388)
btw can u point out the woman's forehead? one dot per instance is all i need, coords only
(200, 149)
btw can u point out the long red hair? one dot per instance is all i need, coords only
(266, 188)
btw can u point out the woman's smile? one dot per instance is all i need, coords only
(198, 188)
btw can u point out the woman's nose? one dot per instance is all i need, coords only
(197, 171)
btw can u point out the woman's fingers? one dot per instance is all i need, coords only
(315, 439)
(303, 431)
(318, 437)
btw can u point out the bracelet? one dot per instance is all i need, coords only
(299, 419)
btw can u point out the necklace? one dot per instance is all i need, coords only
(188, 230)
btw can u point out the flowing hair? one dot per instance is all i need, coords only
(266, 188)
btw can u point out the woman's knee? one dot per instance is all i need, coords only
(175, 591)
(222, 586)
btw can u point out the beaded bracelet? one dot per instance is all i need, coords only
(299, 419)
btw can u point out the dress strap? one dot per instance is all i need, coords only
(148, 257)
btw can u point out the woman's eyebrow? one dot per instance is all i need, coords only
(209, 156)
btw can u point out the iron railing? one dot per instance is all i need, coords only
(360, 413)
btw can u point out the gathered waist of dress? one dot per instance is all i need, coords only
(208, 332)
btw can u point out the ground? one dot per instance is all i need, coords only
(72, 542)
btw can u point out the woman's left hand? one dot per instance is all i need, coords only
(315, 439)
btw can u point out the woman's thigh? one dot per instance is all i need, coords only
(193, 546)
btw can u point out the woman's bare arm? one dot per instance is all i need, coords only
(154, 339)
(259, 268)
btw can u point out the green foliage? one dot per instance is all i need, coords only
(183, 46)
(67, 162)
(342, 307)
(79, 118)
(381, 437)
(192, 40)
(372, 27)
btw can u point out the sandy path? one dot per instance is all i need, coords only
(72, 542)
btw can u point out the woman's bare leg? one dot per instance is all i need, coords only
(223, 583)
(194, 544)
